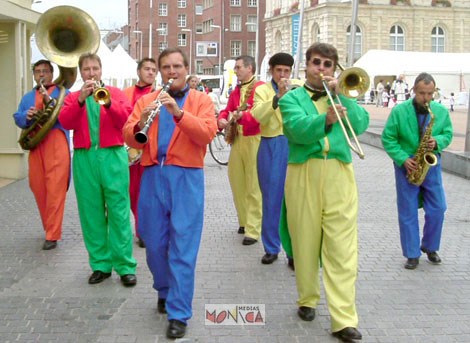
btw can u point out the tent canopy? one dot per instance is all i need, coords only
(450, 70)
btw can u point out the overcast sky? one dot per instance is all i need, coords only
(108, 14)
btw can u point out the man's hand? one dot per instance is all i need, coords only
(30, 113)
(331, 116)
(222, 123)
(87, 88)
(410, 165)
(431, 144)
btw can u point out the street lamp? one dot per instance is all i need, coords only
(140, 42)
(163, 32)
(220, 46)
(150, 29)
(190, 49)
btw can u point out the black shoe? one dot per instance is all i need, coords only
(268, 258)
(161, 308)
(241, 230)
(348, 334)
(249, 241)
(49, 245)
(129, 280)
(290, 263)
(411, 263)
(140, 242)
(98, 276)
(176, 329)
(433, 257)
(306, 313)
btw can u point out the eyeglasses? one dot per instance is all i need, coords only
(42, 71)
(326, 63)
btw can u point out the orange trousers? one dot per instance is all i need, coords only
(49, 172)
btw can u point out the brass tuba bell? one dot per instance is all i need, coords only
(63, 33)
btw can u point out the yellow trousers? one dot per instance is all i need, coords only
(243, 177)
(321, 201)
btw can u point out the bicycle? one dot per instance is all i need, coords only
(219, 149)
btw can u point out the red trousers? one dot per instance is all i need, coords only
(49, 172)
(135, 174)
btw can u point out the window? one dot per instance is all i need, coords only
(182, 39)
(199, 29)
(207, 26)
(235, 48)
(437, 39)
(181, 3)
(316, 33)
(198, 10)
(198, 67)
(208, 3)
(252, 3)
(251, 48)
(235, 3)
(206, 49)
(235, 23)
(181, 20)
(357, 43)
(251, 23)
(162, 10)
(397, 38)
(162, 29)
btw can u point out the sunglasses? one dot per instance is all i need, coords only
(326, 63)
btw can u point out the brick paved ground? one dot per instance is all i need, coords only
(44, 295)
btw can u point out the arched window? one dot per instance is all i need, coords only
(357, 43)
(277, 41)
(315, 33)
(397, 38)
(437, 39)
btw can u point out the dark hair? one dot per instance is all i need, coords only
(46, 62)
(143, 60)
(90, 56)
(323, 49)
(248, 61)
(169, 51)
(425, 78)
(281, 58)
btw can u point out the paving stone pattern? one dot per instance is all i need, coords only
(45, 297)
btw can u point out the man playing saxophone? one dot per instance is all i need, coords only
(415, 127)
(49, 161)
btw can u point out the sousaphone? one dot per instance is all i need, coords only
(63, 33)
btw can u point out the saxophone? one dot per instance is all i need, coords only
(424, 157)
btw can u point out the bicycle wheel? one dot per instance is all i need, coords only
(219, 149)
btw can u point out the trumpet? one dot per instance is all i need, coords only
(353, 82)
(142, 136)
(100, 94)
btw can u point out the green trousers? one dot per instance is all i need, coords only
(101, 179)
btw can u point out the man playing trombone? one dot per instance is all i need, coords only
(171, 201)
(101, 172)
(320, 191)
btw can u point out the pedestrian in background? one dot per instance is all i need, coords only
(404, 135)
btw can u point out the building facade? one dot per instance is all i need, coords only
(209, 31)
(403, 25)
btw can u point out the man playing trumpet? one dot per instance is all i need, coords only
(171, 201)
(101, 173)
(320, 192)
(273, 150)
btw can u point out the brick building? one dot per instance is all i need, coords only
(199, 27)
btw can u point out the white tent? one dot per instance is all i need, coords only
(123, 68)
(450, 70)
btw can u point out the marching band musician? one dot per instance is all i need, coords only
(171, 202)
(146, 72)
(404, 130)
(49, 161)
(273, 150)
(101, 173)
(320, 193)
(242, 170)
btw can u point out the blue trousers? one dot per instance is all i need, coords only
(434, 205)
(171, 211)
(272, 165)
